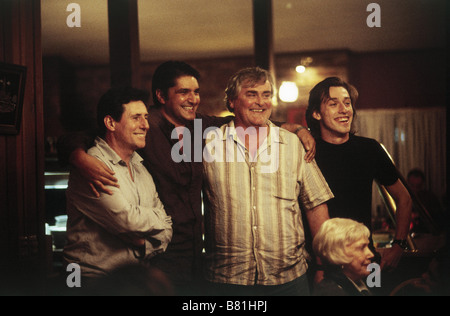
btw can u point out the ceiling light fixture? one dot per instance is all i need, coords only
(288, 91)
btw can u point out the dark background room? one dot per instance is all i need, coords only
(396, 57)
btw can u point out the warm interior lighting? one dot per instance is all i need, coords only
(225, 113)
(288, 91)
(300, 69)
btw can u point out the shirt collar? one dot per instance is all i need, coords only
(274, 133)
(360, 285)
(112, 156)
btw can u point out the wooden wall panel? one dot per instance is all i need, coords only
(124, 51)
(22, 162)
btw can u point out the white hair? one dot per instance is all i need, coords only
(333, 237)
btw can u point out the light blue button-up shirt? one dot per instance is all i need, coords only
(96, 227)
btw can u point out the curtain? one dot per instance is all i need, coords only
(415, 138)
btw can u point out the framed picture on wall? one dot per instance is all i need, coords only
(12, 87)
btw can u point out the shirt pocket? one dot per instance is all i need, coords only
(284, 192)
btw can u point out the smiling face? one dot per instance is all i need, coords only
(361, 258)
(253, 105)
(335, 116)
(128, 134)
(182, 100)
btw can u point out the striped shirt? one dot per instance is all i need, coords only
(253, 224)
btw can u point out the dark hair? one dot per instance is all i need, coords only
(252, 75)
(111, 103)
(320, 93)
(166, 74)
(416, 172)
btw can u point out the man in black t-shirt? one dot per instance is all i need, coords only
(351, 163)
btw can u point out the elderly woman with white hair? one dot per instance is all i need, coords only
(343, 247)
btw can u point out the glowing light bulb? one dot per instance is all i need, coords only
(300, 69)
(288, 91)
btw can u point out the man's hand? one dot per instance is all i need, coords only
(308, 141)
(94, 171)
(133, 240)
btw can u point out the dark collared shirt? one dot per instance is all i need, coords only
(179, 186)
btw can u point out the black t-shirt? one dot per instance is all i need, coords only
(350, 170)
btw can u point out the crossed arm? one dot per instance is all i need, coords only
(146, 224)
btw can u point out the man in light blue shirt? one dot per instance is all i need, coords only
(129, 226)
